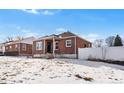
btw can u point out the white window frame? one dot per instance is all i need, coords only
(10, 47)
(56, 45)
(7, 48)
(16, 46)
(39, 45)
(1, 47)
(69, 42)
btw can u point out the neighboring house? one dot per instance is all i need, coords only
(62, 45)
(19, 47)
(2, 48)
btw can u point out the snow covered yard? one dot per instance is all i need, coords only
(15, 70)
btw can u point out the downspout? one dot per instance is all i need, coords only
(3, 49)
(44, 46)
(19, 47)
(53, 46)
(33, 49)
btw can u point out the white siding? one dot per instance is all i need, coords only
(107, 53)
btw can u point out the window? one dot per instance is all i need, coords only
(1, 47)
(16, 46)
(57, 45)
(68, 43)
(10, 47)
(24, 47)
(6, 48)
(39, 46)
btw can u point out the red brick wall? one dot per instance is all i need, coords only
(58, 50)
(19, 48)
(81, 44)
(64, 49)
(28, 50)
(13, 47)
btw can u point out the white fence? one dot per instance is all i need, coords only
(105, 53)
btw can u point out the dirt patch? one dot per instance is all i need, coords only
(88, 79)
(78, 76)
(85, 78)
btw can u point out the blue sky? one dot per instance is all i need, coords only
(90, 24)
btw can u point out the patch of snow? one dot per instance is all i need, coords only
(35, 71)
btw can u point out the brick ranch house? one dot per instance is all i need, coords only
(62, 45)
(19, 47)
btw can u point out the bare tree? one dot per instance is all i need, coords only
(110, 41)
(9, 39)
(98, 43)
(18, 38)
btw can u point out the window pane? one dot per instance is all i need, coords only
(68, 43)
(24, 47)
(57, 45)
(39, 46)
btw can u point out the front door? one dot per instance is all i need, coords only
(49, 47)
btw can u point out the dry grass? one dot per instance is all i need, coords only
(85, 78)
(88, 79)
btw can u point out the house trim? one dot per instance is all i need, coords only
(53, 46)
(44, 46)
(75, 46)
